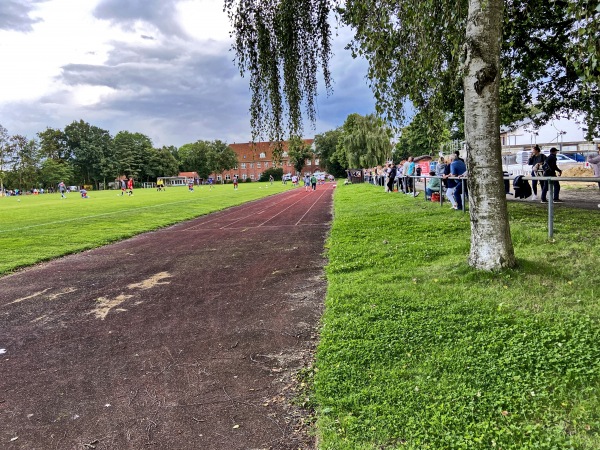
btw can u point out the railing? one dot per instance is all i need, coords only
(550, 194)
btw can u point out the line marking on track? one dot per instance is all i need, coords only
(282, 211)
(311, 207)
(223, 214)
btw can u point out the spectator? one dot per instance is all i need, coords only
(595, 163)
(454, 191)
(550, 171)
(440, 169)
(536, 160)
(391, 177)
(398, 180)
(409, 171)
(433, 185)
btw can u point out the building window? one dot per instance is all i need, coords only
(244, 156)
(244, 176)
(266, 164)
(219, 178)
(236, 167)
(252, 177)
(252, 165)
(262, 155)
(228, 177)
(316, 162)
(308, 162)
(243, 165)
(284, 154)
(258, 165)
(259, 175)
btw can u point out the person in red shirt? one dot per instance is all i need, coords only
(130, 187)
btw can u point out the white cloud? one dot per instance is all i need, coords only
(159, 67)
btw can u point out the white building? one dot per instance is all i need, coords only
(565, 134)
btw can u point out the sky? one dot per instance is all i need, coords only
(163, 68)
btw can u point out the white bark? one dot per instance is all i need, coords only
(491, 244)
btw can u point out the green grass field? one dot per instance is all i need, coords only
(42, 227)
(418, 351)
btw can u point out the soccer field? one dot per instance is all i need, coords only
(36, 228)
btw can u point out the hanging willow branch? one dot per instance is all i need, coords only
(283, 45)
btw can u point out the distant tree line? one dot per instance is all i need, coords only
(83, 154)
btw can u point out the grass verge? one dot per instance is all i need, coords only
(418, 351)
(42, 227)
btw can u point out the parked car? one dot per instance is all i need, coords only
(563, 162)
(523, 157)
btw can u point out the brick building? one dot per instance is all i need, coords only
(255, 158)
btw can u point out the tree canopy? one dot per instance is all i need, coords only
(365, 142)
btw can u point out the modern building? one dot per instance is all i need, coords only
(256, 157)
(565, 134)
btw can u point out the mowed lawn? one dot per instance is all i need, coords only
(418, 351)
(41, 227)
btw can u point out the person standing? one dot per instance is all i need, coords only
(235, 182)
(391, 177)
(536, 160)
(130, 187)
(454, 192)
(313, 182)
(306, 182)
(210, 183)
(595, 163)
(123, 187)
(271, 179)
(408, 170)
(551, 169)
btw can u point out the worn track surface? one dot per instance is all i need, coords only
(184, 338)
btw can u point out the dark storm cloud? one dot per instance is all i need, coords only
(160, 13)
(175, 93)
(14, 14)
(194, 95)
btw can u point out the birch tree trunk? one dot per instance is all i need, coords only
(491, 244)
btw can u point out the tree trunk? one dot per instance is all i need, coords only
(491, 244)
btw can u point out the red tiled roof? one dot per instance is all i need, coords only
(261, 147)
(188, 174)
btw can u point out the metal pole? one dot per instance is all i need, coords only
(462, 194)
(550, 208)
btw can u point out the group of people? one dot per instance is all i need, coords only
(402, 177)
(127, 186)
(544, 166)
(396, 177)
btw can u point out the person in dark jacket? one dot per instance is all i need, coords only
(536, 160)
(551, 171)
